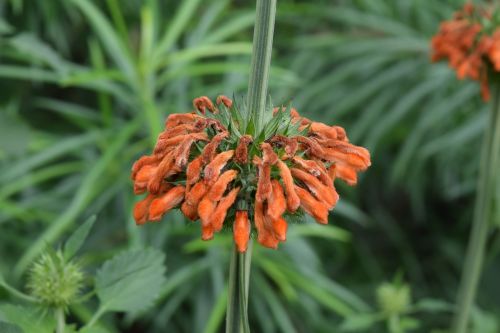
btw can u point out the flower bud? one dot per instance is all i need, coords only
(55, 282)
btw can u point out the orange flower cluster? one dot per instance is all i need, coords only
(471, 43)
(222, 177)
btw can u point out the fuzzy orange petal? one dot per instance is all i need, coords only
(141, 162)
(166, 202)
(203, 103)
(264, 236)
(193, 171)
(292, 199)
(141, 209)
(264, 187)
(241, 152)
(317, 209)
(280, 227)
(241, 230)
(210, 150)
(326, 194)
(176, 119)
(346, 173)
(224, 100)
(219, 187)
(268, 154)
(213, 169)
(206, 208)
(277, 203)
(220, 212)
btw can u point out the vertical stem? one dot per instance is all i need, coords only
(237, 300)
(482, 213)
(239, 269)
(60, 320)
(261, 60)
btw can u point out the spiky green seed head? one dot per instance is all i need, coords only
(393, 299)
(55, 282)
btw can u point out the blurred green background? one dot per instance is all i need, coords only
(84, 89)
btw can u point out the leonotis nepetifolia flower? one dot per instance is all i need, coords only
(470, 41)
(218, 169)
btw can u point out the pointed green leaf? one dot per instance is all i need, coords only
(76, 240)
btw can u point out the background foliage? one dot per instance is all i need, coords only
(85, 86)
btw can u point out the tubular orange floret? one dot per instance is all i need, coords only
(165, 202)
(297, 117)
(468, 43)
(323, 130)
(189, 211)
(281, 141)
(141, 209)
(312, 146)
(206, 208)
(346, 173)
(196, 193)
(326, 194)
(317, 209)
(165, 169)
(181, 129)
(181, 154)
(241, 230)
(220, 212)
(241, 152)
(224, 100)
(203, 103)
(141, 162)
(193, 171)
(192, 199)
(264, 236)
(277, 202)
(264, 187)
(207, 232)
(164, 144)
(268, 154)
(354, 156)
(176, 119)
(210, 150)
(292, 199)
(280, 227)
(219, 187)
(213, 169)
(309, 165)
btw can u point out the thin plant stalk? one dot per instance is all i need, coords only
(60, 320)
(239, 270)
(239, 280)
(476, 249)
(261, 60)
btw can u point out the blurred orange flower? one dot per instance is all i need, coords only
(470, 41)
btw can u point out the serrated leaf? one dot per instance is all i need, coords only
(76, 240)
(131, 281)
(27, 318)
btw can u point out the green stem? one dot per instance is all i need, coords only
(261, 60)
(60, 320)
(238, 285)
(482, 215)
(239, 269)
(14, 292)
